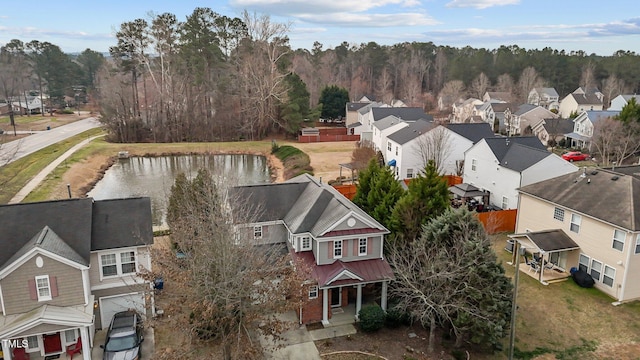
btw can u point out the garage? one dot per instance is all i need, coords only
(110, 305)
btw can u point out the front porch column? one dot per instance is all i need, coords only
(325, 306)
(6, 350)
(358, 299)
(383, 299)
(86, 343)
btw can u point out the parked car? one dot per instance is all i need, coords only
(124, 337)
(575, 156)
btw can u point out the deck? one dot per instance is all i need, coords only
(548, 275)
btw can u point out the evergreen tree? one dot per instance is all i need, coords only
(630, 112)
(426, 198)
(334, 101)
(365, 179)
(296, 109)
(384, 194)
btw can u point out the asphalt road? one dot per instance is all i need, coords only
(14, 150)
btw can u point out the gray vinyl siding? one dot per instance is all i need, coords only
(68, 279)
(142, 259)
(271, 234)
(349, 250)
(343, 225)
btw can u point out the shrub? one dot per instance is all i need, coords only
(274, 146)
(371, 318)
(396, 317)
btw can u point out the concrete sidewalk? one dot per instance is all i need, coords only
(33, 183)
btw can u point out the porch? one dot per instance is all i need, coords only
(545, 275)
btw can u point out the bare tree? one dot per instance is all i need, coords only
(480, 85)
(384, 87)
(231, 284)
(440, 68)
(453, 91)
(615, 141)
(588, 76)
(529, 79)
(611, 87)
(505, 83)
(435, 146)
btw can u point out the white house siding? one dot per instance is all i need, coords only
(458, 145)
(547, 168)
(595, 239)
(567, 106)
(391, 155)
(380, 136)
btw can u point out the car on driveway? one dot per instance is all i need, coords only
(575, 156)
(124, 337)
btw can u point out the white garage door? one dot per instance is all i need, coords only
(113, 304)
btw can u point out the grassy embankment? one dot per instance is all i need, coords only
(294, 160)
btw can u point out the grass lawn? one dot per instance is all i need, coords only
(568, 321)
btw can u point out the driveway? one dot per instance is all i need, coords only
(296, 344)
(147, 349)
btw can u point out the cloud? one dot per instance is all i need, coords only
(304, 7)
(38, 33)
(370, 20)
(480, 4)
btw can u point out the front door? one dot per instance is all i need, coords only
(336, 297)
(52, 343)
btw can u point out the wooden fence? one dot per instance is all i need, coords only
(498, 221)
(327, 138)
(349, 190)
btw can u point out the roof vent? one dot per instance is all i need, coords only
(594, 172)
(615, 177)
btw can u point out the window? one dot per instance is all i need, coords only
(596, 269)
(337, 249)
(70, 336)
(362, 246)
(257, 232)
(558, 214)
(583, 263)
(618, 239)
(505, 202)
(409, 173)
(638, 244)
(396, 150)
(32, 342)
(474, 164)
(388, 145)
(306, 243)
(313, 292)
(609, 275)
(128, 262)
(43, 289)
(109, 265)
(575, 223)
(118, 264)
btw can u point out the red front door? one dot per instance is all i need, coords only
(52, 343)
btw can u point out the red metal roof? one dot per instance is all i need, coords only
(353, 232)
(371, 270)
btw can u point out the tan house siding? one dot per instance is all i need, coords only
(68, 281)
(595, 238)
(143, 260)
(632, 284)
(324, 254)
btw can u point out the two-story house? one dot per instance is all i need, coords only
(551, 131)
(599, 211)
(525, 117)
(584, 125)
(370, 115)
(546, 97)
(621, 101)
(502, 165)
(580, 100)
(497, 96)
(340, 243)
(402, 151)
(67, 266)
(463, 110)
(383, 127)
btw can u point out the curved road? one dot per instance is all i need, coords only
(14, 150)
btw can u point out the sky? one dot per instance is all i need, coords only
(600, 27)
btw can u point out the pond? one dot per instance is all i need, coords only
(154, 176)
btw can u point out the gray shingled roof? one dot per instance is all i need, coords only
(355, 106)
(411, 132)
(303, 203)
(387, 122)
(48, 240)
(472, 132)
(558, 126)
(404, 113)
(517, 153)
(550, 240)
(610, 196)
(596, 115)
(501, 107)
(549, 91)
(82, 225)
(524, 108)
(587, 99)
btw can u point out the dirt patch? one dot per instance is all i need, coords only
(326, 157)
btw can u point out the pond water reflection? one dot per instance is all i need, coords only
(153, 176)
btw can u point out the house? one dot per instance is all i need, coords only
(352, 112)
(340, 243)
(462, 110)
(546, 97)
(599, 210)
(583, 127)
(497, 96)
(369, 115)
(494, 114)
(551, 131)
(67, 266)
(580, 100)
(524, 117)
(383, 127)
(621, 101)
(28, 104)
(501, 165)
(402, 151)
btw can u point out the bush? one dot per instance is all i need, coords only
(274, 146)
(372, 318)
(67, 111)
(396, 317)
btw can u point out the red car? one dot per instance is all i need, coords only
(575, 156)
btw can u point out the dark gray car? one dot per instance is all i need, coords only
(123, 337)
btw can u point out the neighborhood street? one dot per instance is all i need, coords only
(14, 150)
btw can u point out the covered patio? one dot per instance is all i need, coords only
(547, 254)
(467, 194)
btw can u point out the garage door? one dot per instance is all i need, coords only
(113, 304)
